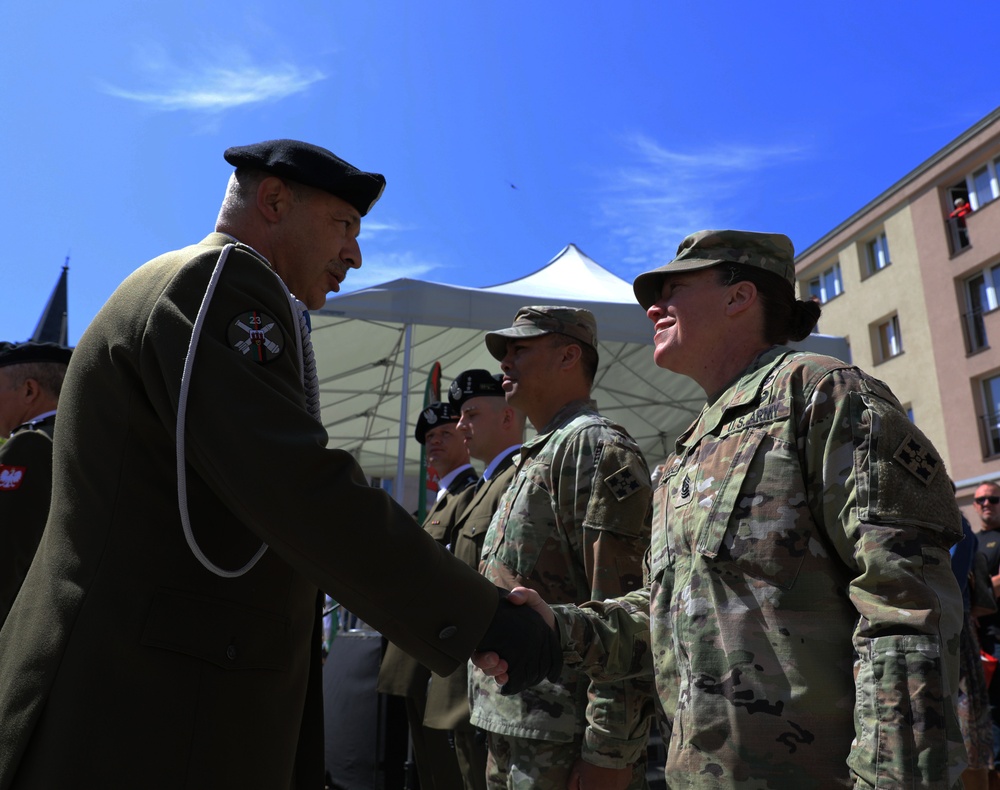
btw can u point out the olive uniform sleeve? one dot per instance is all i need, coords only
(881, 493)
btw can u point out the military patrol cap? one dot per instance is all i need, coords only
(474, 384)
(772, 252)
(312, 166)
(21, 353)
(435, 415)
(541, 320)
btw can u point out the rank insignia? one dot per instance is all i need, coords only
(11, 477)
(917, 459)
(256, 336)
(622, 483)
(684, 493)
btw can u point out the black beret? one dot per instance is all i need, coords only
(312, 166)
(474, 384)
(434, 415)
(21, 353)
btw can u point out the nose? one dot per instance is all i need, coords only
(350, 254)
(655, 312)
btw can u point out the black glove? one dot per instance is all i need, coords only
(520, 636)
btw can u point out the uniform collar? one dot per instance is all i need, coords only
(35, 422)
(745, 389)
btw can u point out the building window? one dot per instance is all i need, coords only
(981, 297)
(990, 421)
(889, 340)
(983, 185)
(828, 285)
(876, 254)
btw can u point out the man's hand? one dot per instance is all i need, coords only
(521, 646)
(587, 776)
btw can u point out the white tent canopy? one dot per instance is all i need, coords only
(371, 343)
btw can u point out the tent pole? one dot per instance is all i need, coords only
(404, 402)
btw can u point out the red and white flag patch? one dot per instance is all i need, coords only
(11, 477)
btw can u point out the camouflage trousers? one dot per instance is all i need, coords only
(527, 764)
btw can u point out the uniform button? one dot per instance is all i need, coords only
(448, 632)
(231, 652)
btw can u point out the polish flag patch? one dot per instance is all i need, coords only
(11, 477)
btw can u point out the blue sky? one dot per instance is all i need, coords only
(505, 131)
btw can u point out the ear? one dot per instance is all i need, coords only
(740, 298)
(273, 198)
(32, 391)
(569, 355)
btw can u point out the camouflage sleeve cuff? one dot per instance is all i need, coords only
(609, 640)
(606, 752)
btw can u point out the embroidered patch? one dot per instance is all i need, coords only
(622, 483)
(917, 459)
(256, 335)
(11, 477)
(684, 493)
(430, 416)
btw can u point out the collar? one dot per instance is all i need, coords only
(35, 422)
(506, 455)
(445, 482)
(747, 388)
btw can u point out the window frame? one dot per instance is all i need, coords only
(873, 245)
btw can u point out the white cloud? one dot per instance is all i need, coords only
(662, 195)
(214, 88)
(381, 267)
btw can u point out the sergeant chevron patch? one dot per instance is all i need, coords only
(256, 336)
(917, 459)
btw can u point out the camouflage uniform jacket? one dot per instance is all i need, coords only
(803, 617)
(573, 525)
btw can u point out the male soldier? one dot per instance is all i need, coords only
(31, 376)
(400, 674)
(493, 432)
(987, 505)
(168, 634)
(800, 611)
(573, 525)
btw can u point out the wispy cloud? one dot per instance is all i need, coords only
(662, 195)
(371, 228)
(212, 88)
(381, 267)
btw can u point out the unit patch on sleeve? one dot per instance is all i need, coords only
(917, 459)
(256, 336)
(11, 477)
(622, 483)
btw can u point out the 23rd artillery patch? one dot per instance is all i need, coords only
(256, 335)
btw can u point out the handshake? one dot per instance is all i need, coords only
(521, 647)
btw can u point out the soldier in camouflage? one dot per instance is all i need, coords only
(572, 525)
(799, 612)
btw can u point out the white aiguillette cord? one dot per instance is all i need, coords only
(181, 421)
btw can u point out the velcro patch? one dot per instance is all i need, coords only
(11, 477)
(256, 336)
(622, 483)
(917, 459)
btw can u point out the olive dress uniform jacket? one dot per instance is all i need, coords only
(400, 674)
(448, 698)
(125, 662)
(25, 491)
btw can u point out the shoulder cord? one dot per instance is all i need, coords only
(181, 422)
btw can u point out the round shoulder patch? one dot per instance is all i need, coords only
(256, 336)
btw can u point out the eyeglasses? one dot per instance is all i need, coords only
(982, 500)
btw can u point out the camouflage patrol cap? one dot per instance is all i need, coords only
(23, 353)
(313, 166)
(772, 252)
(541, 320)
(475, 384)
(435, 415)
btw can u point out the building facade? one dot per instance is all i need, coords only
(912, 281)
